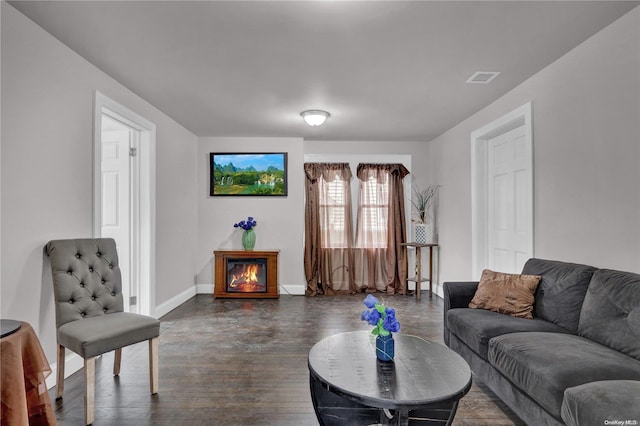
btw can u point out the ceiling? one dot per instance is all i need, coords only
(385, 70)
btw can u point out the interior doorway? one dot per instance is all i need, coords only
(124, 188)
(502, 193)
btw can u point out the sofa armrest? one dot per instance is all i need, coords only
(456, 295)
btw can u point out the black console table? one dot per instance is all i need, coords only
(349, 386)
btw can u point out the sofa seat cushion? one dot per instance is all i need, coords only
(543, 365)
(476, 327)
(601, 403)
(93, 336)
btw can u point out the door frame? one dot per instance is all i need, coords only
(146, 195)
(521, 116)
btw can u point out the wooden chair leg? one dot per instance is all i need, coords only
(116, 361)
(60, 372)
(89, 389)
(153, 365)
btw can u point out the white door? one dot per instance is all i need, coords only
(124, 196)
(118, 204)
(509, 213)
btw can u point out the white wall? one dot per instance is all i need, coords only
(280, 219)
(47, 110)
(586, 142)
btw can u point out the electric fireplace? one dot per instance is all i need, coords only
(246, 274)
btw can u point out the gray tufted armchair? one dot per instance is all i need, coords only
(89, 311)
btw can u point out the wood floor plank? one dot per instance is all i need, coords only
(244, 362)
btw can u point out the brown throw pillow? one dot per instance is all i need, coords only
(509, 294)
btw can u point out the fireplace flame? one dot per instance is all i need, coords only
(252, 270)
(248, 275)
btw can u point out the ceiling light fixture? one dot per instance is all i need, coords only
(315, 117)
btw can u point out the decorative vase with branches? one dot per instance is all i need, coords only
(422, 200)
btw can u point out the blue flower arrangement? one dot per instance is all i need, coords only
(383, 319)
(250, 223)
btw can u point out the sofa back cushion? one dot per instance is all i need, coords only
(611, 311)
(561, 290)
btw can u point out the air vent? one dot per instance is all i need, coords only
(483, 77)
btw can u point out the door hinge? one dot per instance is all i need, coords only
(133, 300)
(133, 152)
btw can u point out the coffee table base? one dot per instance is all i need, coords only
(335, 410)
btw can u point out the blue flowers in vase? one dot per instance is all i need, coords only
(250, 223)
(382, 318)
(385, 322)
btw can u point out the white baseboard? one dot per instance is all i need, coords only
(437, 290)
(174, 302)
(73, 363)
(294, 290)
(204, 288)
(297, 290)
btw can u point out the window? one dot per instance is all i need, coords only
(333, 212)
(373, 213)
(332, 262)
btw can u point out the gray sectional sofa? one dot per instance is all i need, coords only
(577, 362)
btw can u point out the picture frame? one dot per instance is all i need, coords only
(256, 174)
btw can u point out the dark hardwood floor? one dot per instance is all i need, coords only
(244, 362)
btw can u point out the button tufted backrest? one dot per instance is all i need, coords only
(86, 278)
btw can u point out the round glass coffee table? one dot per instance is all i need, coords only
(349, 386)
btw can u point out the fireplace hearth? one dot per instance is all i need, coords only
(246, 274)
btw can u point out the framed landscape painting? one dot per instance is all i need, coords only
(253, 174)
